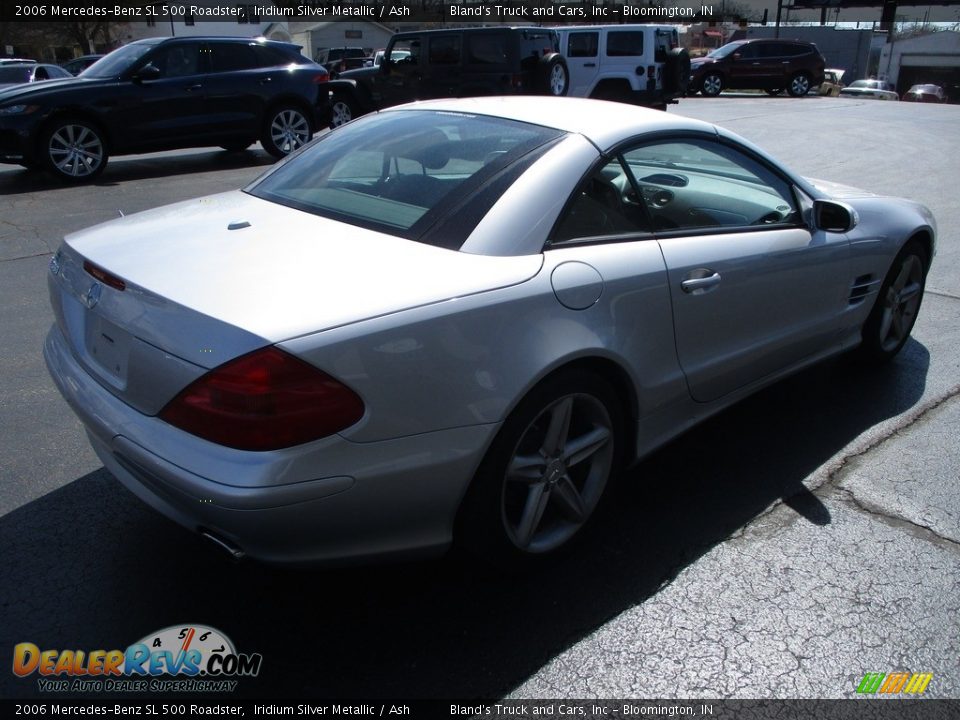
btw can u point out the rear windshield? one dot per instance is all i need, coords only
(400, 172)
(14, 74)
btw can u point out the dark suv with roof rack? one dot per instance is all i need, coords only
(758, 64)
(459, 62)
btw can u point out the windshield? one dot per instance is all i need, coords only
(117, 62)
(722, 52)
(399, 172)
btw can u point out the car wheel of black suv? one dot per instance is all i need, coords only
(799, 85)
(285, 129)
(712, 84)
(73, 149)
(342, 110)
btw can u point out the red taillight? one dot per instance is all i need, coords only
(264, 401)
(103, 276)
(321, 78)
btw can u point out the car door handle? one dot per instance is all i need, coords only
(264, 81)
(700, 285)
(191, 88)
(589, 64)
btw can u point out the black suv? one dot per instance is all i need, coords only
(162, 94)
(461, 62)
(771, 65)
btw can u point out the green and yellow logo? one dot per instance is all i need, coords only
(894, 683)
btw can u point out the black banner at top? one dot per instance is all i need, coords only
(392, 12)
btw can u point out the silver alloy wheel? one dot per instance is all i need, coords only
(557, 473)
(712, 84)
(558, 80)
(901, 303)
(75, 150)
(800, 85)
(341, 113)
(289, 130)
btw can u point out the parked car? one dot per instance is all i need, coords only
(759, 64)
(336, 60)
(15, 61)
(832, 82)
(161, 94)
(78, 65)
(453, 321)
(870, 90)
(13, 75)
(925, 93)
(639, 64)
(458, 62)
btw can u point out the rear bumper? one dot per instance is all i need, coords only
(360, 499)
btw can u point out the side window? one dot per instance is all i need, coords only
(271, 57)
(177, 60)
(405, 52)
(444, 50)
(227, 57)
(582, 44)
(694, 184)
(487, 49)
(604, 204)
(624, 43)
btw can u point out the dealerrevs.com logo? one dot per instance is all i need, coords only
(180, 658)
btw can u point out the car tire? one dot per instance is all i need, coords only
(285, 129)
(895, 311)
(545, 474)
(799, 85)
(342, 110)
(554, 77)
(712, 84)
(773, 92)
(676, 76)
(73, 149)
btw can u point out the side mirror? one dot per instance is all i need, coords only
(147, 72)
(833, 216)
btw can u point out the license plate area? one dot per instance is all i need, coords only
(108, 347)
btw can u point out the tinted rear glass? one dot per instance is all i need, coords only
(15, 74)
(400, 172)
(624, 44)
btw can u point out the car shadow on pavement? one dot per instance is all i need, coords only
(89, 567)
(140, 167)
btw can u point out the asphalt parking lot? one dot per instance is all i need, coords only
(783, 549)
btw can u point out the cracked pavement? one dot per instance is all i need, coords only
(782, 549)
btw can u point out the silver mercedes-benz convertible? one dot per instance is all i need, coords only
(453, 321)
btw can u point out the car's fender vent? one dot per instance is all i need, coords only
(862, 287)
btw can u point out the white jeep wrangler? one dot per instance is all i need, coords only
(639, 64)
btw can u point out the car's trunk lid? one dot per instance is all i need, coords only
(210, 279)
